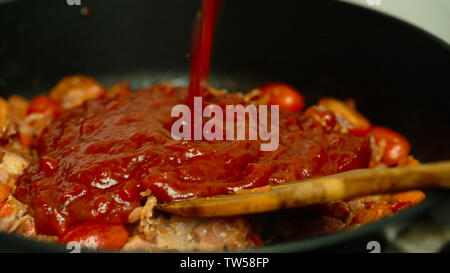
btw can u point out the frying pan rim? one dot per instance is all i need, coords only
(310, 244)
(374, 12)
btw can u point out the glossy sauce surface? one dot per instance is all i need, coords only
(97, 158)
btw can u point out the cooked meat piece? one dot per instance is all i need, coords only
(14, 218)
(223, 233)
(330, 217)
(73, 91)
(14, 162)
(174, 233)
(35, 123)
(17, 109)
(12, 165)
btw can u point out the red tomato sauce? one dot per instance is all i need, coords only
(201, 47)
(96, 159)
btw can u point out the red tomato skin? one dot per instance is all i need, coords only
(287, 97)
(44, 104)
(397, 146)
(97, 235)
(359, 131)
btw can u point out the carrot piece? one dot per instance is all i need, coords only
(5, 190)
(413, 197)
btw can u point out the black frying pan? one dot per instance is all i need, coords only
(398, 74)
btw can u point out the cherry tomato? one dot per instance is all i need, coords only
(359, 124)
(287, 97)
(44, 104)
(5, 190)
(397, 146)
(97, 235)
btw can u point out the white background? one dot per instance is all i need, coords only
(430, 15)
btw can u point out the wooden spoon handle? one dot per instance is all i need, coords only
(315, 191)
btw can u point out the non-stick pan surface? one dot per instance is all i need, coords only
(396, 73)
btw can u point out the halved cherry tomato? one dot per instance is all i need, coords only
(44, 104)
(397, 146)
(5, 190)
(97, 235)
(359, 125)
(287, 97)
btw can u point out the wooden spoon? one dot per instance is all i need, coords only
(315, 191)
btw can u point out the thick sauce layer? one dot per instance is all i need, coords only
(96, 159)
